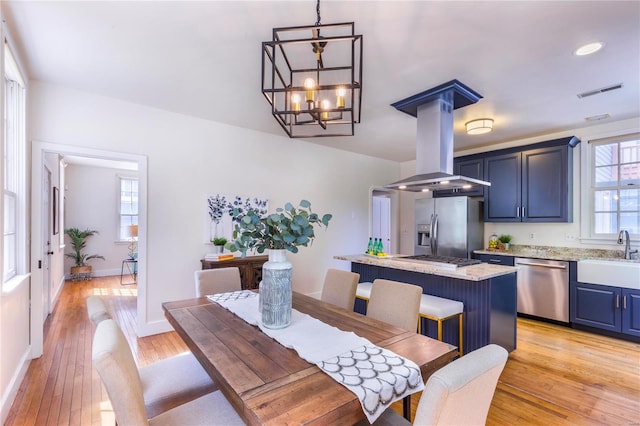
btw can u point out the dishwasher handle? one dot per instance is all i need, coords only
(544, 265)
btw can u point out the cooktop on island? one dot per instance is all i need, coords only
(447, 262)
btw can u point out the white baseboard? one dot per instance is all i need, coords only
(56, 296)
(14, 386)
(100, 273)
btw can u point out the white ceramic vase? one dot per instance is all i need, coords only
(275, 290)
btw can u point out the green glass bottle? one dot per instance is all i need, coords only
(370, 246)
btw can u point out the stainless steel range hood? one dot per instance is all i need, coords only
(434, 142)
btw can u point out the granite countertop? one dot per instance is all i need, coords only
(559, 253)
(479, 272)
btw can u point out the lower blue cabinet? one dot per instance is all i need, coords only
(609, 308)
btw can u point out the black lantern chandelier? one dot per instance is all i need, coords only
(312, 77)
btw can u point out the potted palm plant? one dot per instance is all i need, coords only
(78, 244)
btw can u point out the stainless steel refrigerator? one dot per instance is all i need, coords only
(451, 226)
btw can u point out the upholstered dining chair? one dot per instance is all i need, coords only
(339, 288)
(460, 393)
(395, 303)
(97, 309)
(220, 280)
(168, 382)
(117, 369)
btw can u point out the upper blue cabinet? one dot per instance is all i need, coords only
(531, 184)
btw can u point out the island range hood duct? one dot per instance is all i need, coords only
(434, 145)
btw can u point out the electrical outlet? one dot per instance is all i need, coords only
(532, 235)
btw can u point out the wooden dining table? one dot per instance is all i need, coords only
(269, 384)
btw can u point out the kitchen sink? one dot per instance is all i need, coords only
(610, 272)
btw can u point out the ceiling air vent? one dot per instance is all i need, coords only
(601, 90)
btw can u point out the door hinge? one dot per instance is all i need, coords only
(39, 264)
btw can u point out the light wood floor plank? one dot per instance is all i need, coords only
(557, 376)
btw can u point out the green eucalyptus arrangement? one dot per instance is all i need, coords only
(288, 228)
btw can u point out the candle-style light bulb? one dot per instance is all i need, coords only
(309, 93)
(324, 115)
(295, 103)
(340, 93)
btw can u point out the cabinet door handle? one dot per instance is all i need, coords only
(624, 302)
(617, 301)
(495, 261)
(517, 211)
(522, 211)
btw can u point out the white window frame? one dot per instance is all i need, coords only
(14, 138)
(587, 187)
(124, 238)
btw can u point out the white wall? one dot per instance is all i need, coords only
(189, 158)
(92, 203)
(545, 234)
(14, 294)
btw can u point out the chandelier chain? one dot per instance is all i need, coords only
(318, 12)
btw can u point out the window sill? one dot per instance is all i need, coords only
(13, 283)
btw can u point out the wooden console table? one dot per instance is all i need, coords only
(250, 268)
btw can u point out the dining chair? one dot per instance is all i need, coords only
(395, 303)
(97, 309)
(339, 288)
(165, 383)
(459, 393)
(117, 369)
(220, 280)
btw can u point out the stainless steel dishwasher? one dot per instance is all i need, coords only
(543, 288)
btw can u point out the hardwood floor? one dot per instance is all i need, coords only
(557, 376)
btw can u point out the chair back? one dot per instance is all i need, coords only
(220, 280)
(114, 361)
(395, 303)
(339, 288)
(97, 310)
(460, 393)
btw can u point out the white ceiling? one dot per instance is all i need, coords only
(202, 58)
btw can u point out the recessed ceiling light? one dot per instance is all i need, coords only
(588, 48)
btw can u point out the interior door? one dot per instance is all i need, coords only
(46, 239)
(381, 220)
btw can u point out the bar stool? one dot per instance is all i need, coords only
(439, 309)
(363, 292)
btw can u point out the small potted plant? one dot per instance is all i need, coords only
(505, 239)
(218, 244)
(78, 243)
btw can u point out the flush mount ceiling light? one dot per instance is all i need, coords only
(588, 48)
(311, 77)
(479, 126)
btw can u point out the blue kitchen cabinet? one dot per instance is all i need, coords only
(503, 198)
(631, 312)
(494, 259)
(532, 185)
(614, 309)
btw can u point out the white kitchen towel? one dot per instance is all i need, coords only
(377, 376)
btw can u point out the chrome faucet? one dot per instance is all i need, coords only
(624, 235)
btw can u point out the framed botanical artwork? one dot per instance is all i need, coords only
(56, 203)
(220, 209)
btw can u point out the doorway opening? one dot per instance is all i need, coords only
(43, 154)
(384, 218)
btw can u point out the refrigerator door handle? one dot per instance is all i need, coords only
(434, 235)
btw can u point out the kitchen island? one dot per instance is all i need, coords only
(487, 291)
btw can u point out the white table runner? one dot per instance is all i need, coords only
(376, 375)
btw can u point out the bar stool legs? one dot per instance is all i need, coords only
(439, 310)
